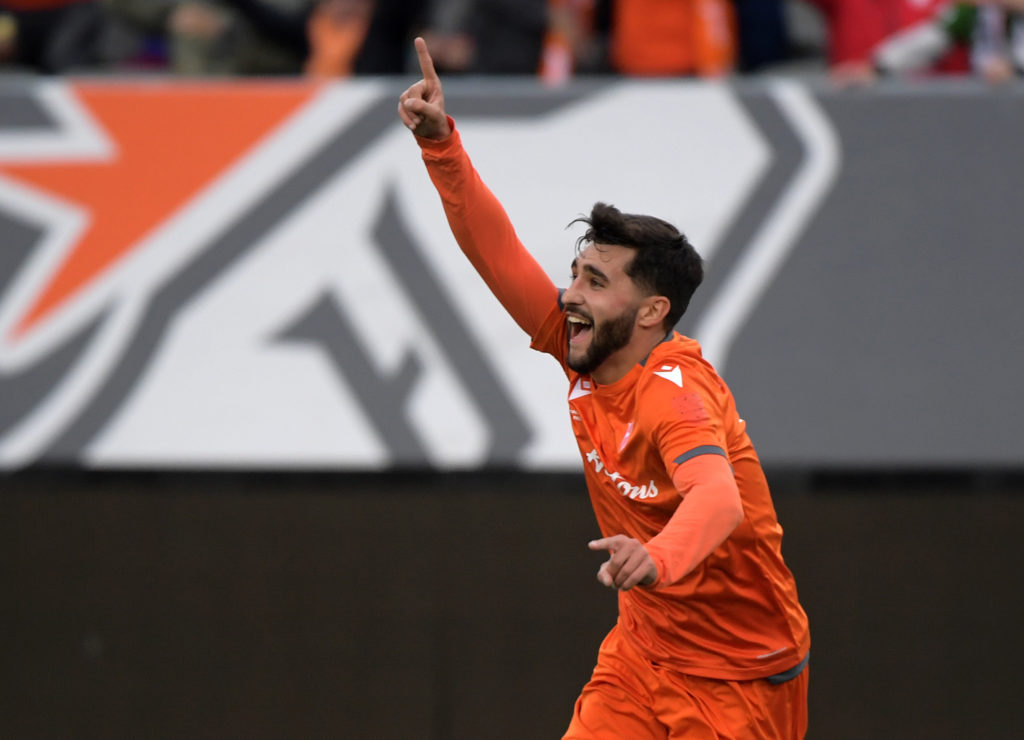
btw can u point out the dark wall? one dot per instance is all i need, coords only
(462, 606)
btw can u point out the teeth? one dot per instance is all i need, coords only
(577, 320)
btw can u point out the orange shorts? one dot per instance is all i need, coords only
(629, 697)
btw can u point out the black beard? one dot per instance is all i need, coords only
(609, 337)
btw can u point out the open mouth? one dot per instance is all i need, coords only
(579, 329)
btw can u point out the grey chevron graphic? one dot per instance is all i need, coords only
(24, 388)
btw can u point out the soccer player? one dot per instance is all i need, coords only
(711, 641)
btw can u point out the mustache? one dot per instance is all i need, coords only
(579, 314)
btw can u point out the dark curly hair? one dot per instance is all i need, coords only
(664, 261)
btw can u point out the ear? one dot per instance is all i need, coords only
(653, 310)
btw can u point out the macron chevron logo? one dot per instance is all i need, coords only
(671, 373)
(582, 388)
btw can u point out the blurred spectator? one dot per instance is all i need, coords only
(656, 38)
(336, 31)
(223, 37)
(448, 36)
(572, 43)
(997, 44)
(856, 27)
(50, 36)
(388, 43)
(643, 38)
(323, 38)
(487, 37)
(992, 32)
(509, 36)
(762, 34)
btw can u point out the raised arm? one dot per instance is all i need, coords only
(477, 219)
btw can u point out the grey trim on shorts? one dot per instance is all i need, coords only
(792, 672)
(698, 451)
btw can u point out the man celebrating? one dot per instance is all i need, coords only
(711, 641)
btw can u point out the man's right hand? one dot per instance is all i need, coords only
(421, 107)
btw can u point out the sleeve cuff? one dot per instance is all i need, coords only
(659, 563)
(435, 149)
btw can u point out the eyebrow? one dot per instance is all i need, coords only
(594, 271)
(591, 269)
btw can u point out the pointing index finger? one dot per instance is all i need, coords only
(426, 63)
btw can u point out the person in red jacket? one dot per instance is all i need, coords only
(855, 28)
(711, 640)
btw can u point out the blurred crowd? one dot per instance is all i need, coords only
(855, 41)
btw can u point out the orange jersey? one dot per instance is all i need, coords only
(736, 615)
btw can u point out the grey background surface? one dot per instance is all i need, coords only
(894, 334)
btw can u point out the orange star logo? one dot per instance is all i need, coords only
(170, 140)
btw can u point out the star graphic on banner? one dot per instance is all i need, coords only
(169, 140)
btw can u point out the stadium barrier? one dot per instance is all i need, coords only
(259, 275)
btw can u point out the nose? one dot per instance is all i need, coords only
(572, 295)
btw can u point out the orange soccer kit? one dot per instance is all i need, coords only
(716, 647)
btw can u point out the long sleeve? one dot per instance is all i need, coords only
(709, 512)
(486, 235)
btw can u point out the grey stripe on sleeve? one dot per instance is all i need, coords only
(702, 450)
